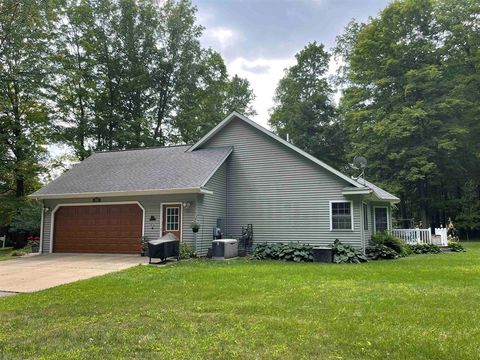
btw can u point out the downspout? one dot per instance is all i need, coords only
(362, 225)
(40, 250)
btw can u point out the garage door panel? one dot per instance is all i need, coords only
(98, 228)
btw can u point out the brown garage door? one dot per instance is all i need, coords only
(98, 229)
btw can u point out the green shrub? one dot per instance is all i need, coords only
(455, 246)
(425, 249)
(381, 252)
(347, 253)
(18, 253)
(186, 251)
(394, 243)
(288, 252)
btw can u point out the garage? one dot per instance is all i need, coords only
(98, 229)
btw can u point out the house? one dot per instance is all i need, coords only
(239, 173)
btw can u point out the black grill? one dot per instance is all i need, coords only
(163, 249)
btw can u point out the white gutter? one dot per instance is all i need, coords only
(195, 190)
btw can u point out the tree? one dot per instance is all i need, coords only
(175, 63)
(469, 217)
(238, 97)
(75, 83)
(132, 73)
(304, 109)
(25, 74)
(402, 107)
(210, 98)
(27, 218)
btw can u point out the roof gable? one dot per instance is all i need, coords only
(235, 115)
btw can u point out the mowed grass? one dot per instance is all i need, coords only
(420, 307)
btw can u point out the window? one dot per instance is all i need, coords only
(172, 220)
(365, 216)
(341, 216)
(381, 219)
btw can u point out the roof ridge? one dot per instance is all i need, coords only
(142, 148)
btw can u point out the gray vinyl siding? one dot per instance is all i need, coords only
(284, 195)
(212, 207)
(151, 204)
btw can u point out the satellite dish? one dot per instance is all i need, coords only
(359, 163)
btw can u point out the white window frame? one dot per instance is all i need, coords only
(181, 217)
(351, 214)
(375, 218)
(365, 213)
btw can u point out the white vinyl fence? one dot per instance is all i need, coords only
(422, 236)
(414, 236)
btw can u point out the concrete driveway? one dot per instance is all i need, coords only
(37, 272)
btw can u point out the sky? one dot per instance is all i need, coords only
(258, 39)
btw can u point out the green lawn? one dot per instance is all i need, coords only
(6, 254)
(422, 307)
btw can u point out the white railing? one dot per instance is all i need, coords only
(414, 236)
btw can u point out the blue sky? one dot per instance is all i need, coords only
(258, 39)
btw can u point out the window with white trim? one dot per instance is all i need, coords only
(173, 218)
(341, 215)
(381, 219)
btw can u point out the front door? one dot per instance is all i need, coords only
(172, 220)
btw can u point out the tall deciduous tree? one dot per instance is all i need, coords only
(304, 109)
(205, 102)
(411, 97)
(75, 82)
(132, 73)
(25, 39)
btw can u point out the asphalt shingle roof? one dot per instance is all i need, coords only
(379, 192)
(139, 170)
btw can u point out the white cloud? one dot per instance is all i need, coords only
(222, 35)
(263, 82)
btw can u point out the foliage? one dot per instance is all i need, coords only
(144, 245)
(394, 243)
(195, 225)
(25, 72)
(410, 100)
(187, 251)
(469, 217)
(452, 232)
(288, 252)
(33, 243)
(304, 109)
(27, 218)
(380, 251)
(347, 253)
(425, 249)
(133, 73)
(455, 246)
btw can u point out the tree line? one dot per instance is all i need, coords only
(118, 74)
(102, 75)
(410, 103)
